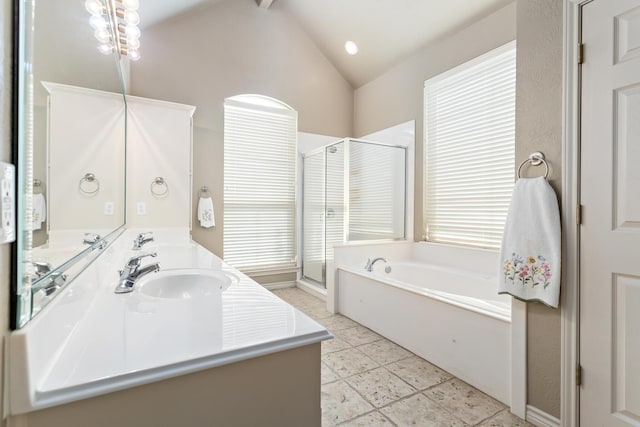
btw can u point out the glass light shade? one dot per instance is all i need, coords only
(133, 54)
(131, 4)
(133, 32)
(351, 47)
(133, 43)
(103, 35)
(131, 17)
(97, 22)
(105, 48)
(94, 7)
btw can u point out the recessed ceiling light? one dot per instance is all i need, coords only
(351, 47)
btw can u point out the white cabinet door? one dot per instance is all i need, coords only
(610, 233)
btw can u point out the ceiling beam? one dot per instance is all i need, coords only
(264, 4)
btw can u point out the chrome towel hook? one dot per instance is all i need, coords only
(89, 184)
(535, 159)
(159, 187)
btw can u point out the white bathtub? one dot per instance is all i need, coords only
(450, 317)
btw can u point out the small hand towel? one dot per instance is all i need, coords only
(205, 212)
(530, 252)
(39, 211)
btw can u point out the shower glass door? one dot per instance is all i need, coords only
(377, 190)
(365, 202)
(334, 196)
(313, 217)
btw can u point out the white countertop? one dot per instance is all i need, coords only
(124, 340)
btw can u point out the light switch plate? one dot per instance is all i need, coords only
(7, 202)
(141, 208)
(108, 208)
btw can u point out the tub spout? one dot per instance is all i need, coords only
(370, 263)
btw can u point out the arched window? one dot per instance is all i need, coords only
(260, 137)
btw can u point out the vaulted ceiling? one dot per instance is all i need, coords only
(386, 31)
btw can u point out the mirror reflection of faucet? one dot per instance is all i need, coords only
(141, 240)
(369, 266)
(132, 272)
(92, 239)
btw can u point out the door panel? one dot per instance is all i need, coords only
(610, 232)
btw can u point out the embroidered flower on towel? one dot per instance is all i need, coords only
(535, 271)
(207, 215)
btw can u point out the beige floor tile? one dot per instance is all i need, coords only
(418, 372)
(316, 311)
(372, 419)
(326, 374)
(384, 351)
(467, 403)
(348, 362)
(358, 335)
(297, 297)
(505, 419)
(337, 322)
(334, 344)
(380, 386)
(418, 410)
(341, 403)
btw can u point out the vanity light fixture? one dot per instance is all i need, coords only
(351, 47)
(124, 15)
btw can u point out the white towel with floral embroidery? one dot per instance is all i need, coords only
(530, 253)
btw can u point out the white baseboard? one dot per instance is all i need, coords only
(280, 285)
(540, 418)
(316, 291)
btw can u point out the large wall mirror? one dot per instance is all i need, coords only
(71, 148)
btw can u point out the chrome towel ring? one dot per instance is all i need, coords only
(535, 159)
(159, 187)
(89, 184)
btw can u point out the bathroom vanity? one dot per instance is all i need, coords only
(174, 351)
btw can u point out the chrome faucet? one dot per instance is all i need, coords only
(41, 268)
(92, 239)
(369, 265)
(132, 272)
(50, 284)
(141, 240)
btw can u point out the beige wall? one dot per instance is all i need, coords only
(228, 49)
(396, 96)
(539, 128)
(5, 155)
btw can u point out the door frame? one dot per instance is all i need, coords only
(570, 316)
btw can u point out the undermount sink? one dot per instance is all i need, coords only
(184, 284)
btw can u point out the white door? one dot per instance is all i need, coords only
(610, 232)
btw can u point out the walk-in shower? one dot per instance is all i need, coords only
(352, 190)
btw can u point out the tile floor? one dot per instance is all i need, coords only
(369, 381)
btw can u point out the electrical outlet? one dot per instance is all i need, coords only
(141, 208)
(108, 208)
(7, 203)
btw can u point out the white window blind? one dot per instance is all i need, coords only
(470, 145)
(259, 184)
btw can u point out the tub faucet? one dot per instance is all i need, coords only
(141, 240)
(369, 266)
(132, 272)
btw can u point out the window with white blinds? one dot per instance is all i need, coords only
(470, 149)
(260, 137)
